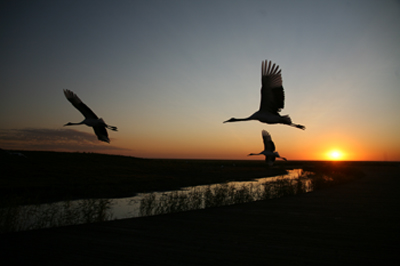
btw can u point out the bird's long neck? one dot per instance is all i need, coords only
(73, 124)
(255, 154)
(233, 119)
(243, 119)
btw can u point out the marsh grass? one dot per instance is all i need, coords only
(29, 217)
(223, 194)
(175, 201)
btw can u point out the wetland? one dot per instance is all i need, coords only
(47, 189)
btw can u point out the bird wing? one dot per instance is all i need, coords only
(101, 133)
(272, 94)
(268, 143)
(74, 99)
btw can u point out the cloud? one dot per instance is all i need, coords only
(53, 139)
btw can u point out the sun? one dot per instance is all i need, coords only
(335, 155)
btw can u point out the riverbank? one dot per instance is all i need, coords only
(41, 177)
(54, 176)
(355, 223)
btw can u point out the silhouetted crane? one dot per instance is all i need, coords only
(269, 149)
(272, 98)
(91, 119)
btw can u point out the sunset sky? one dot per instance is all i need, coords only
(168, 73)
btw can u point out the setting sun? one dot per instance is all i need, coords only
(335, 155)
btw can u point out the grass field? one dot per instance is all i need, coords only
(54, 176)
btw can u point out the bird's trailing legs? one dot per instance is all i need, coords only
(298, 126)
(112, 127)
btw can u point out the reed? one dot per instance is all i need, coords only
(221, 195)
(147, 205)
(16, 217)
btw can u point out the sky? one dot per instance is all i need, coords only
(168, 73)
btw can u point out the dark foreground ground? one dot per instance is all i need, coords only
(355, 223)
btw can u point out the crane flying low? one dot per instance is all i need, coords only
(269, 149)
(91, 119)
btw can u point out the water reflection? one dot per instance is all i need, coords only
(94, 210)
(296, 181)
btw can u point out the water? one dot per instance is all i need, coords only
(131, 207)
(93, 210)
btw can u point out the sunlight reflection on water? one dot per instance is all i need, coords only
(130, 207)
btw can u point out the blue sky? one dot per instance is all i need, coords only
(167, 73)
